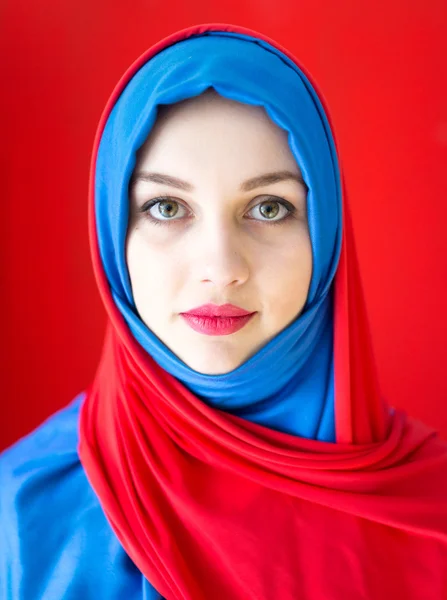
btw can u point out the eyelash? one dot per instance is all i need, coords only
(148, 205)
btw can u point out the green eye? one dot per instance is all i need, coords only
(272, 210)
(168, 208)
(269, 210)
(163, 210)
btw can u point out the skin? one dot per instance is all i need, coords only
(218, 247)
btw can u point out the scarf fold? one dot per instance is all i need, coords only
(295, 369)
(209, 504)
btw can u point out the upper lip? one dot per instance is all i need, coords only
(213, 310)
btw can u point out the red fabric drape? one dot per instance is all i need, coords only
(209, 505)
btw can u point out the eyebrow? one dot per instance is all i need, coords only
(246, 186)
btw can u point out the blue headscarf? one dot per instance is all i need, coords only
(288, 385)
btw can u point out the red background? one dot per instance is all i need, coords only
(382, 68)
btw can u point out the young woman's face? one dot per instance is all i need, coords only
(217, 216)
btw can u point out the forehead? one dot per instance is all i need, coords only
(213, 132)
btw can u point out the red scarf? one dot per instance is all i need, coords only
(209, 505)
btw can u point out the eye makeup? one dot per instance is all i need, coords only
(290, 209)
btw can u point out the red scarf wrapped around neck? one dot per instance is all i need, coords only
(208, 505)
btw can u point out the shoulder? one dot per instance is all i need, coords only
(40, 466)
(55, 541)
(46, 448)
(34, 466)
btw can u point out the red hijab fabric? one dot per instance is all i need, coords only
(209, 505)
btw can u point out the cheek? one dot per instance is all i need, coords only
(285, 274)
(154, 272)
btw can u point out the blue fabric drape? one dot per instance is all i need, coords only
(288, 384)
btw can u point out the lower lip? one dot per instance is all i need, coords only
(216, 325)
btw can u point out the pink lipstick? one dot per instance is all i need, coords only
(211, 319)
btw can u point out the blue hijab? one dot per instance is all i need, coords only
(288, 385)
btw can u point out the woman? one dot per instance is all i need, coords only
(233, 443)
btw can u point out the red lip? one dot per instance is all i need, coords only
(213, 310)
(211, 319)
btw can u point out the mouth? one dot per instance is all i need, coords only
(211, 319)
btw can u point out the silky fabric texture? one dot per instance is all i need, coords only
(55, 540)
(288, 384)
(208, 504)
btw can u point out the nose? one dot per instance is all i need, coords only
(221, 257)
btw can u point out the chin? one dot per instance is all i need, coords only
(212, 364)
(215, 368)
